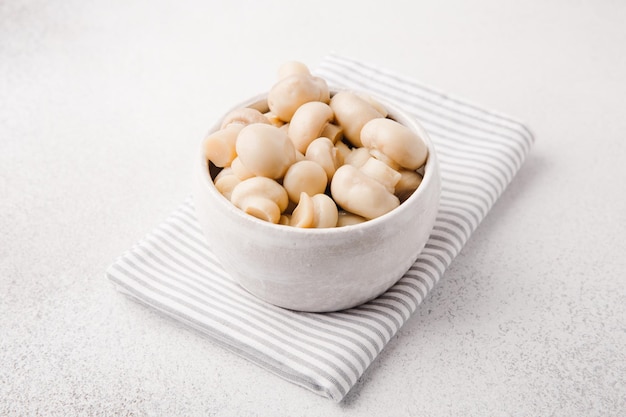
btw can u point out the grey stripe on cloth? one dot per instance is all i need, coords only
(173, 271)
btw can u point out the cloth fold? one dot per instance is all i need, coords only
(172, 269)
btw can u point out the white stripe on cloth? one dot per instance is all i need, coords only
(173, 271)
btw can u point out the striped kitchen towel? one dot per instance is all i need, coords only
(173, 271)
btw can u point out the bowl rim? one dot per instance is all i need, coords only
(395, 112)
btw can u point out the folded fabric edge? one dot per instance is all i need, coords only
(259, 358)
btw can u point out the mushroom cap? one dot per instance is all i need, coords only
(351, 113)
(343, 149)
(359, 194)
(308, 122)
(291, 92)
(244, 116)
(382, 173)
(219, 147)
(226, 181)
(323, 152)
(347, 219)
(257, 196)
(304, 176)
(332, 132)
(408, 183)
(357, 157)
(239, 170)
(291, 68)
(265, 150)
(303, 214)
(318, 211)
(396, 141)
(325, 212)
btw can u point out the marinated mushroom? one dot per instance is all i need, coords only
(279, 156)
(382, 173)
(343, 149)
(226, 181)
(291, 68)
(265, 150)
(291, 92)
(357, 193)
(308, 122)
(396, 141)
(323, 152)
(240, 171)
(302, 215)
(304, 176)
(332, 132)
(408, 183)
(384, 158)
(260, 197)
(219, 147)
(325, 213)
(319, 211)
(347, 219)
(244, 116)
(352, 113)
(357, 157)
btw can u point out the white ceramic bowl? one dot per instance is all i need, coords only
(318, 270)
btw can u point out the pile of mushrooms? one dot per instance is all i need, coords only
(312, 160)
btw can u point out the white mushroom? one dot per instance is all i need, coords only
(396, 141)
(319, 211)
(308, 122)
(325, 212)
(323, 88)
(225, 181)
(357, 157)
(408, 183)
(291, 68)
(384, 159)
(382, 173)
(357, 193)
(303, 213)
(343, 149)
(322, 151)
(332, 132)
(265, 150)
(226, 185)
(244, 116)
(347, 219)
(304, 176)
(291, 92)
(240, 171)
(351, 113)
(260, 197)
(219, 147)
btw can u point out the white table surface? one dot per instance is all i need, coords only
(102, 105)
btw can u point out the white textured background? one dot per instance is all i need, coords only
(102, 104)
